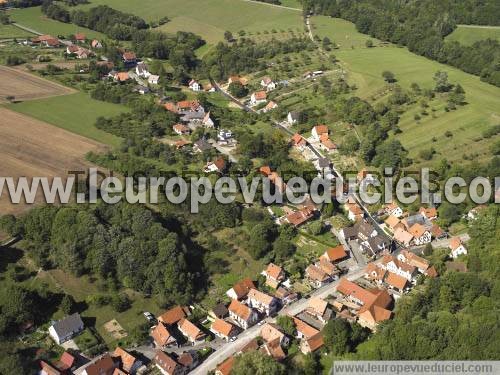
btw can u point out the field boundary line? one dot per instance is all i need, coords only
(26, 28)
(273, 5)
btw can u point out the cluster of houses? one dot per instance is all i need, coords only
(320, 137)
(326, 268)
(366, 236)
(74, 47)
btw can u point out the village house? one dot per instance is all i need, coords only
(318, 131)
(269, 107)
(293, 117)
(141, 70)
(66, 328)
(258, 97)
(268, 83)
(316, 276)
(153, 79)
(190, 331)
(237, 79)
(201, 145)
(181, 129)
(392, 264)
(421, 236)
(83, 53)
(225, 367)
(242, 315)
(414, 260)
(218, 166)
(46, 40)
(299, 142)
(272, 332)
(189, 360)
(121, 76)
(80, 38)
(429, 213)
(223, 329)
(329, 268)
(274, 350)
(396, 282)
(65, 362)
(457, 247)
(319, 309)
(102, 365)
(210, 88)
(326, 143)
(394, 223)
(46, 368)
(354, 211)
(219, 311)
(96, 44)
(299, 217)
(403, 237)
(126, 361)
(285, 295)
(335, 254)
(394, 210)
(262, 302)
(312, 344)
(129, 59)
(195, 86)
(167, 365)
(274, 275)
(207, 121)
(225, 137)
(304, 330)
(174, 315)
(162, 337)
(240, 290)
(374, 273)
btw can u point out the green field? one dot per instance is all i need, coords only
(76, 113)
(364, 67)
(10, 31)
(342, 33)
(34, 19)
(468, 34)
(210, 18)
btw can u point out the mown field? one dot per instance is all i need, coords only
(10, 32)
(210, 18)
(468, 34)
(76, 113)
(34, 19)
(467, 123)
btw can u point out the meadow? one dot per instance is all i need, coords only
(76, 113)
(33, 18)
(365, 65)
(11, 31)
(210, 18)
(469, 34)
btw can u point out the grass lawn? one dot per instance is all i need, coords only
(209, 18)
(76, 113)
(468, 34)
(34, 19)
(291, 3)
(10, 31)
(365, 65)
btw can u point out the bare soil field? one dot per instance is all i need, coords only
(25, 86)
(32, 148)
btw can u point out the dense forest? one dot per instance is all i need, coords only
(422, 27)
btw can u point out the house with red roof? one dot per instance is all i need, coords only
(181, 129)
(274, 275)
(167, 365)
(242, 315)
(335, 254)
(80, 38)
(223, 329)
(262, 302)
(240, 290)
(457, 247)
(318, 131)
(258, 97)
(218, 165)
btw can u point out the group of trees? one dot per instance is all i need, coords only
(246, 55)
(124, 243)
(422, 27)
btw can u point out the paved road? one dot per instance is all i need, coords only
(246, 336)
(26, 29)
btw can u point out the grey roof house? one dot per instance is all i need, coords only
(66, 328)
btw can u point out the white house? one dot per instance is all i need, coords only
(195, 86)
(153, 79)
(293, 117)
(66, 328)
(421, 236)
(318, 130)
(268, 83)
(207, 121)
(223, 329)
(243, 315)
(457, 247)
(394, 210)
(263, 302)
(141, 70)
(393, 265)
(258, 97)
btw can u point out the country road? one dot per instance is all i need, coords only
(26, 29)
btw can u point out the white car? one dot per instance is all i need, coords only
(262, 322)
(234, 338)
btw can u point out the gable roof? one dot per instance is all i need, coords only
(260, 95)
(336, 253)
(299, 217)
(327, 267)
(242, 311)
(316, 273)
(417, 230)
(161, 334)
(68, 325)
(274, 350)
(415, 260)
(190, 330)
(318, 305)
(321, 129)
(429, 212)
(173, 315)
(222, 327)
(166, 362)
(274, 271)
(80, 36)
(242, 287)
(66, 361)
(455, 243)
(47, 369)
(305, 329)
(220, 310)
(127, 359)
(393, 279)
(403, 236)
(271, 332)
(315, 342)
(392, 221)
(259, 296)
(103, 366)
(271, 105)
(225, 367)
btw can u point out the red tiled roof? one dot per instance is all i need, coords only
(126, 358)
(80, 36)
(222, 327)
(316, 273)
(305, 329)
(173, 315)
(321, 129)
(103, 366)
(242, 287)
(260, 95)
(166, 362)
(336, 253)
(240, 310)
(395, 280)
(190, 330)
(161, 334)
(274, 271)
(225, 367)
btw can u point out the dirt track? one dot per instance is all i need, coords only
(26, 86)
(30, 148)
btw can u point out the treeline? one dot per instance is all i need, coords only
(422, 27)
(246, 56)
(455, 316)
(122, 243)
